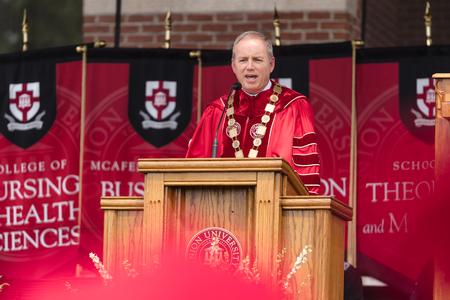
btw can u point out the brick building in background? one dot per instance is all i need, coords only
(398, 23)
(213, 24)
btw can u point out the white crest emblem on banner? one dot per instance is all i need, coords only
(160, 104)
(24, 104)
(426, 103)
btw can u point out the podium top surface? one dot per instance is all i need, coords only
(441, 75)
(232, 168)
(213, 164)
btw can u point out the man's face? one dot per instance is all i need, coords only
(252, 65)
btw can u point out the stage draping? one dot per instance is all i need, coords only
(143, 103)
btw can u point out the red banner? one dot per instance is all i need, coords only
(330, 96)
(112, 147)
(39, 184)
(395, 174)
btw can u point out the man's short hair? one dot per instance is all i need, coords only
(255, 34)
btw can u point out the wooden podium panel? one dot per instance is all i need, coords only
(316, 221)
(441, 287)
(192, 208)
(122, 238)
(261, 201)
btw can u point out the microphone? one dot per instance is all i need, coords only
(235, 87)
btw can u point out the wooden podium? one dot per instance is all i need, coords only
(261, 201)
(441, 286)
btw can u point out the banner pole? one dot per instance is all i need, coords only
(198, 54)
(83, 50)
(117, 23)
(351, 234)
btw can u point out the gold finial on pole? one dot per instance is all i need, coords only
(427, 18)
(276, 26)
(195, 54)
(25, 31)
(99, 44)
(357, 44)
(81, 49)
(168, 28)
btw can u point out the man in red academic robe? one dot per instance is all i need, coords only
(262, 119)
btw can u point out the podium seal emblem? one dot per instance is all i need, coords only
(215, 247)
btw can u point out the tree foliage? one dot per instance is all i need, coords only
(51, 23)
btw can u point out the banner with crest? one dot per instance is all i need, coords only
(396, 114)
(39, 150)
(139, 104)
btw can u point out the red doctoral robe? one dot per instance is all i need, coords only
(290, 133)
